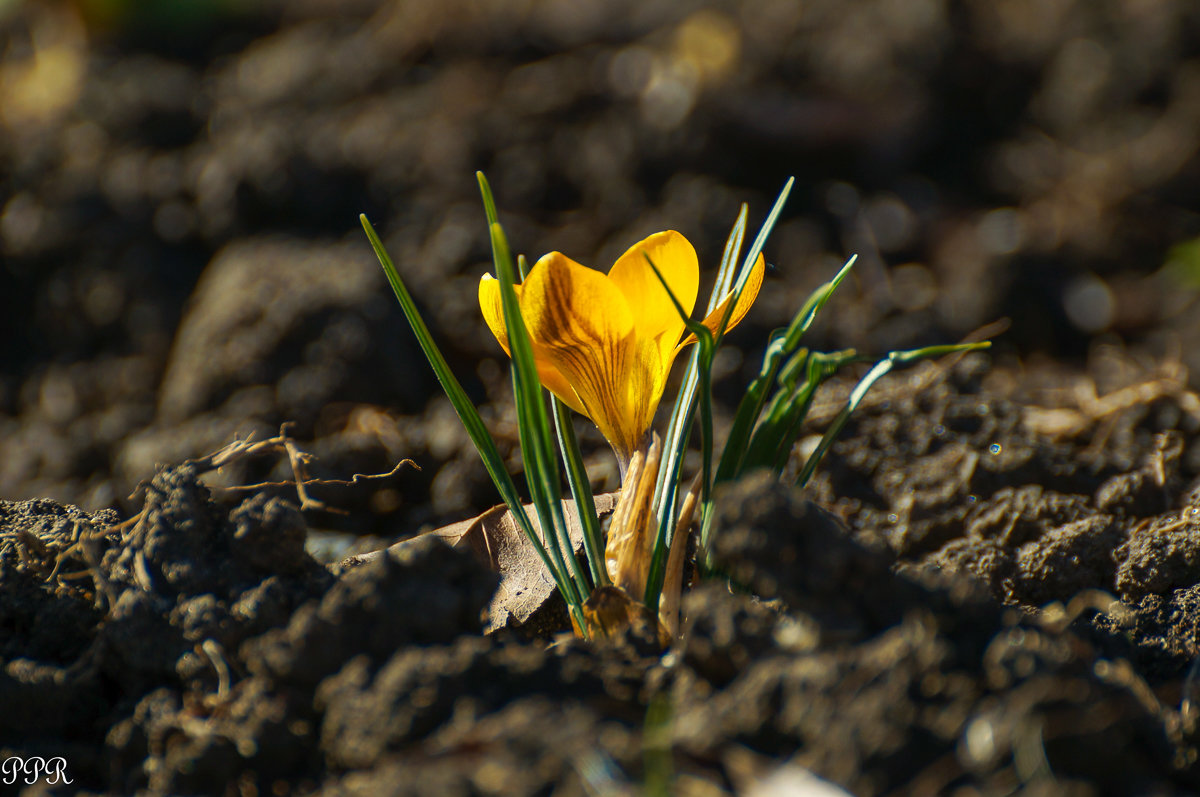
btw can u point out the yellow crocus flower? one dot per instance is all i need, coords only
(604, 343)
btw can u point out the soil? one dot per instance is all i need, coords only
(991, 585)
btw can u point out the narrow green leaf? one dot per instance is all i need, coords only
(534, 427)
(808, 313)
(468, 415)
(781, 346)
(821, 369)
(657, 742)
(726, 271)
(544, 472)
(701, 359)
(756, 248)
(489, 201)
(581, 491)
(679, 428)
(458, 398)
(662, 542)
(681, 416)
(776, 432)
(860, 391)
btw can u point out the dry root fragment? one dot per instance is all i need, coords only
(299, 461)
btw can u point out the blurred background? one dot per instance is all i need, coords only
(180, 184)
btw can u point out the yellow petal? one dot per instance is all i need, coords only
(493, 314)
(583, 323)
(493, 309)
(749, 294)
(653, 312)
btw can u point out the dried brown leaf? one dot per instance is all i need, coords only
(498, 542)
